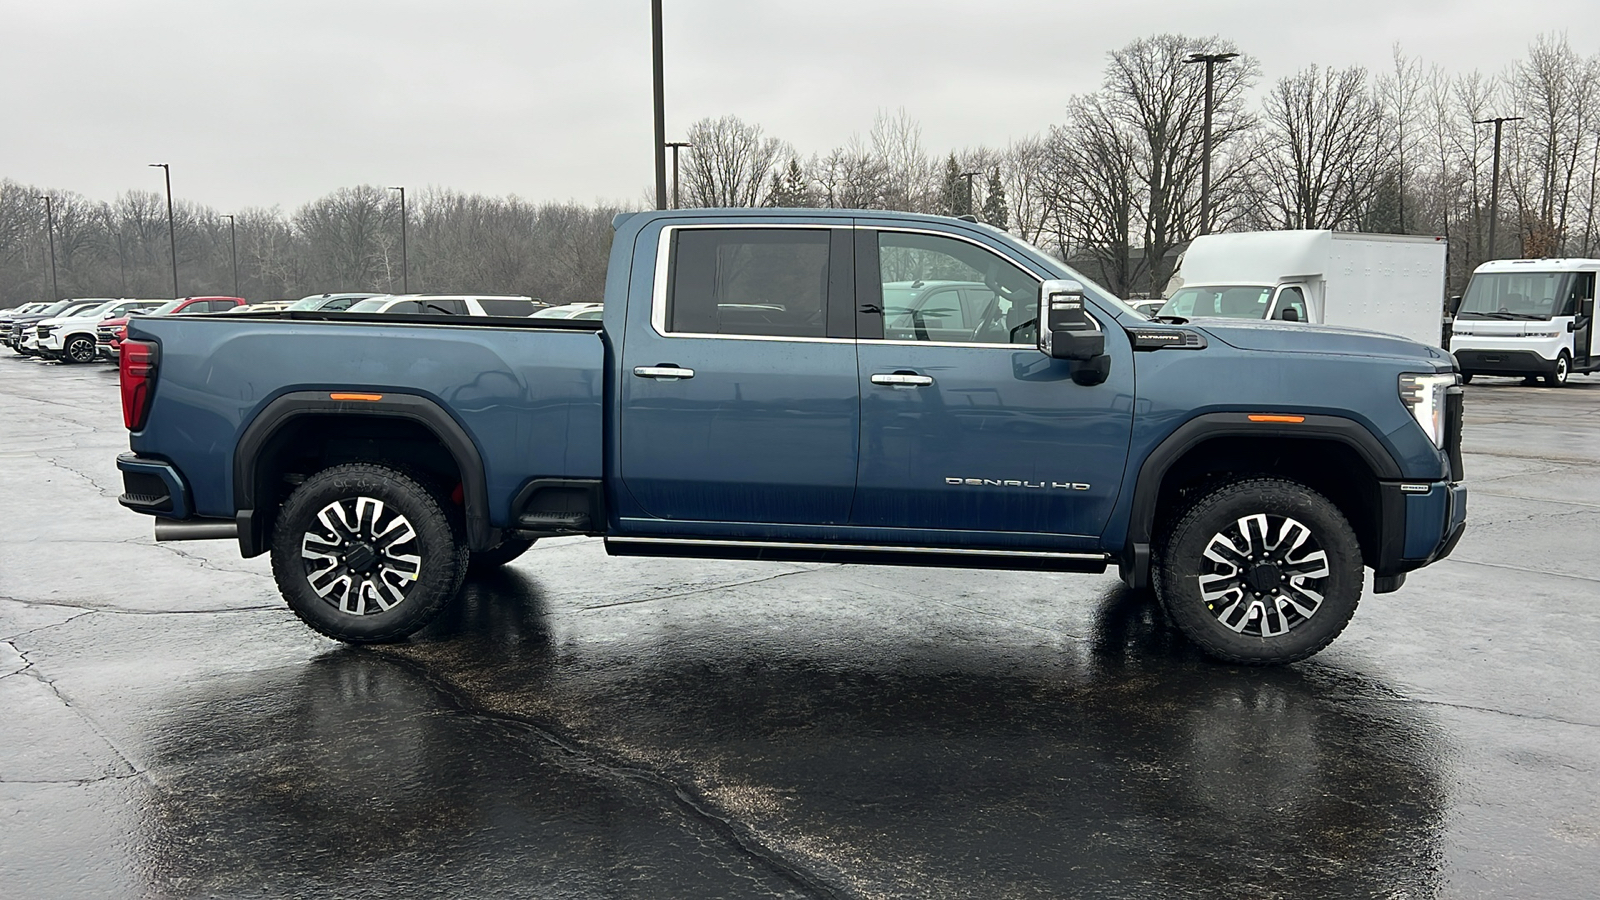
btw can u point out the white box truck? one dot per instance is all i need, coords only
(1392, 283)
(1528, 317)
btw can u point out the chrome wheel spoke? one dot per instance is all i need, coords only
(364, 558)
(1263, 575)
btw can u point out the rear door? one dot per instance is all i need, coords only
(738, 397)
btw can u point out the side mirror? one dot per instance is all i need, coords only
(1455, 304)
(1290, 314)
(1067, 331)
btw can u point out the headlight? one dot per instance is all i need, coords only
(1423, 396)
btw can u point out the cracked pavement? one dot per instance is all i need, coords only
(580, 726)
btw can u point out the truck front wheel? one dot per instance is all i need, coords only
(1260, 572)
(366, 554)
(1557, 376)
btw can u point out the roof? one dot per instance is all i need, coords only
(1539, 265)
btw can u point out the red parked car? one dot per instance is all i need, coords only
(110, 333)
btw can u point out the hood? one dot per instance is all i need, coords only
(1283, 337)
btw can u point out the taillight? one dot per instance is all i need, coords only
(138, 370)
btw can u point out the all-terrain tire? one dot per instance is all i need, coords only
(366, 554)
(1261, 571)
(483, 561)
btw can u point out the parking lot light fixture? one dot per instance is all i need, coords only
(172, 229)
(405, 270)
(50, 230)
(1211, 60)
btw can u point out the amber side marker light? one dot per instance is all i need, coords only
(355, 396)
(1291, 420)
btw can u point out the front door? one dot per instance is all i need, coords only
(965, 425)
(1581, 307)
(739, 397)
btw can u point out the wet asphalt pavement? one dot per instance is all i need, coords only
(579, 726)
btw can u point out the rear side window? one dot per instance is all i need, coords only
(756, 281)
(441, 307)
(507, 307)
(221, 305)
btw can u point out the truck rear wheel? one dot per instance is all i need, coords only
(1260, 572)
(366, 554)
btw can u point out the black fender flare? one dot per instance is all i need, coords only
(253, 539)
(1202, 428)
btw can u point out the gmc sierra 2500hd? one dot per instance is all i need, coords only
(783, 384)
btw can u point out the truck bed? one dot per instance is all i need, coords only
(528, 392)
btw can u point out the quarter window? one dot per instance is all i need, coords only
(771, 282)
(945, 290)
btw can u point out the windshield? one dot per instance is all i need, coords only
(1099, 292)
(373, 305)
(309, 302)
(80, 308)
(164, 308)
(1228, 301)
(1515, 295)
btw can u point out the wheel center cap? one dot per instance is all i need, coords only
(360, 557)
(1264, 577)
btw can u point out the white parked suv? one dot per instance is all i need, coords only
(449, 305)
(71, 338)
(25, 331)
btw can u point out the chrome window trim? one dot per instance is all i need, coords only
(658, 289)
(658, 293)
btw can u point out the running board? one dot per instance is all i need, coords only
(863, 554)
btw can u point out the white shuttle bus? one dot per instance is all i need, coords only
(1528, 317)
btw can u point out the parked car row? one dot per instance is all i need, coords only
(86, 329)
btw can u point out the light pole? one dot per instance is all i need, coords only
(405, 270)
(50, 229)
(233, 253)
(172, 229)
(1494, 177)
(971, 210)
(661, 114)
(676, 146)
(1211, 60)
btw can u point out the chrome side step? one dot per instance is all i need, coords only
(196, 530)
(865, 554)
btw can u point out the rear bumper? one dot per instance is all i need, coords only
(153, 487)
(1503, 362)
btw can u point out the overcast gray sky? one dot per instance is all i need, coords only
(264, 102)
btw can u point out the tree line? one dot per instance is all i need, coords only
(1113, 187)
(348, 240)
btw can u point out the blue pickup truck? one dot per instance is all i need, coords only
(811, 385)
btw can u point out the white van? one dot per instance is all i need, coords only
(1393, 283)
(1528, 317)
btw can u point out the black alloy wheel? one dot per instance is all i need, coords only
(1260, 572)
(367, 554)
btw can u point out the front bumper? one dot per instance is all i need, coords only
(1503, 362)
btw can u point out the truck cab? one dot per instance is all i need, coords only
(1528, 317)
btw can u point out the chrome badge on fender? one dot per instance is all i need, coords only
(1007, 482)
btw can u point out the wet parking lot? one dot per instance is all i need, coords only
(580, 726)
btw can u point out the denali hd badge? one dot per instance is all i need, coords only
(998, 482)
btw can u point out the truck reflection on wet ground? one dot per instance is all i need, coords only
(486, 759)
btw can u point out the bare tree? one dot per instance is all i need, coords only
(1321, 151)
(730, 163)
(1556, 92)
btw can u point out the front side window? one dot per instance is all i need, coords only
(943, 290)
(1291, 298)
(756, 281)
(506, 306)
(1582, 291)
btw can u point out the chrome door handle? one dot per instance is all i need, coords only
(901, 378)
(662, 372)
